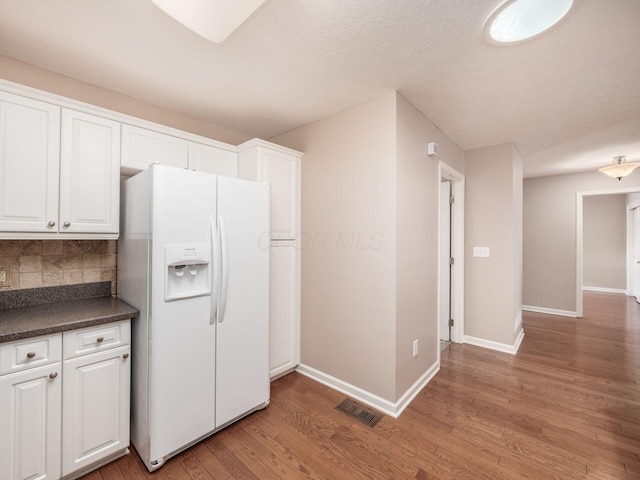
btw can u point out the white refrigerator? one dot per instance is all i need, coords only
(193, 258)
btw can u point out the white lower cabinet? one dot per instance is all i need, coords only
(64, 402)
(30, 425)
(96, 408)
(284, 335)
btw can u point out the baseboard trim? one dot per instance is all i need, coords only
(385, 406)
(408, 396)
(605, 290)
(549, 311)
(518, 341)
(500, 347)
(517, 321)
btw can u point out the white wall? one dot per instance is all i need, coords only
(550, 235)
(493, 214)
(349, 243)
(517, 238)
(366, 173)
(604, 236)
(417, 240)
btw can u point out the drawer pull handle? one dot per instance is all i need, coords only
(31, 354)
(52, 223)
(125, 356)
(67, 224)
(100, 339)
(53, 375)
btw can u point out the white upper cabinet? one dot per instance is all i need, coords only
(29, 163)
(215, 160)
(89, 174)
(59, 171)
(266, 162)
(142, 147)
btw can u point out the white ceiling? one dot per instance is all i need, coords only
(569, 100)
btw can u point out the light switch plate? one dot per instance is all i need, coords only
(484, 252)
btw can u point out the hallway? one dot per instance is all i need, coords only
(567, 406)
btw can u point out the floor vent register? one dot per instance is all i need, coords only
(360, 412)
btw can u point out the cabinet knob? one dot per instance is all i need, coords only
(100, 339)
(52, 223)
(125, 356)
(67, 224)
(53, 375)
(31, 354)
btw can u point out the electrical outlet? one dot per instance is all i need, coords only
(5, 276)
(415, 348)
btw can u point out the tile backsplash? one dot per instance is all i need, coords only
(48, 263)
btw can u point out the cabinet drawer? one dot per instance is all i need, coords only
(95, 339)
(31, 352)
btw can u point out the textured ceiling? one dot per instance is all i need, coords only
(569, 100)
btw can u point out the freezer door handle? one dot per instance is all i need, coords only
(215, 270)
(224, 268)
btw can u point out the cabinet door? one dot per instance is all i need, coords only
(283, 173)
(205, 158)
(89, 174)
(30, 406)
(29, 164)
(141, 148)
(96, 407)
(284, 333)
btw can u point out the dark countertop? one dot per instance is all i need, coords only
(24, 322)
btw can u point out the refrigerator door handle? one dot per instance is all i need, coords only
(224, 268)
(215, 270)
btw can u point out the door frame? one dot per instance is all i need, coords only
(445, 253)
(630, 246)
(457, 247)
(579, 238)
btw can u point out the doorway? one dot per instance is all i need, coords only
(633, 249)
(630, 264)
(450, 254)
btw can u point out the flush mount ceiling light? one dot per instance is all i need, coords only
(620, 168)
(214, 20)
(515, 21)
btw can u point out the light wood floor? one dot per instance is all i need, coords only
(567, 406)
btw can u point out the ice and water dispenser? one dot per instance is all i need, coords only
(187, 271)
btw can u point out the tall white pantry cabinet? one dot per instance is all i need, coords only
(281, 167)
